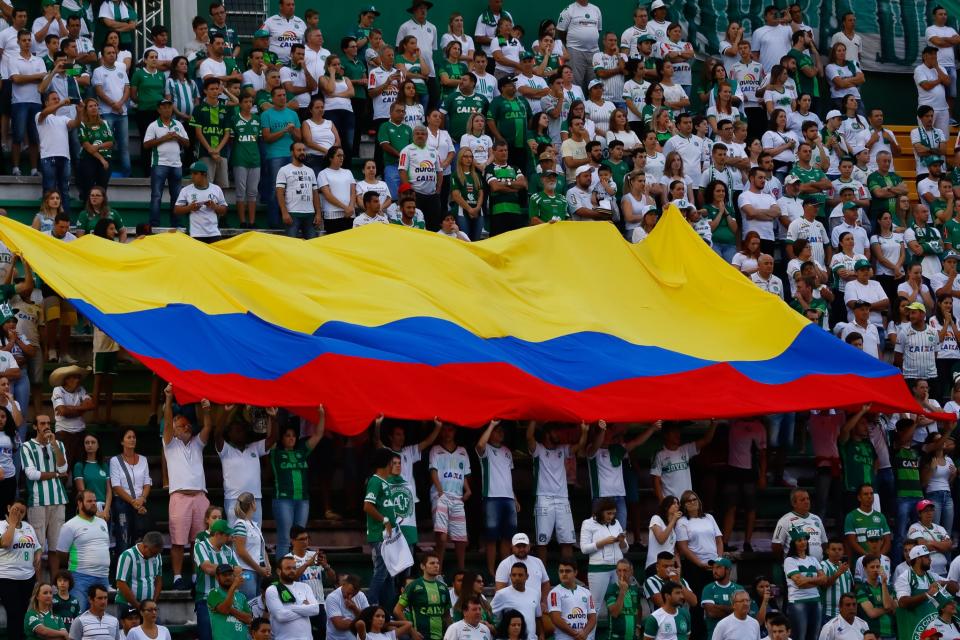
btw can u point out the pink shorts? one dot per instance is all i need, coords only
(186, 516)
(449, 517)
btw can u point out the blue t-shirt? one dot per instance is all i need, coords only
(275, 120)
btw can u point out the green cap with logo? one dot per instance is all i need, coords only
(198, 167)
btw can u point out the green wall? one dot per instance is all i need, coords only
(879, 88)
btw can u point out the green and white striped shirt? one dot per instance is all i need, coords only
(182, 93)
(139, 573)
(830, 597)
(203, 551)
(39, 458)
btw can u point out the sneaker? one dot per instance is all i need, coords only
(52, 356)
(953, 122)
(181, 585)
(16, 172)
(68, 359)
(34, 173)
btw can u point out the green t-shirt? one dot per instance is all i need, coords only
(214, 123)
(553, 63)
(459, 109)
(511, 118)
(883, 625)
(226, 627)
(858, 458)
(720, 595)
(469, 189)
(619, 171)
(99, 134)
(397, 136)
(813, 174)
(865, 525)
(379, 495)
(817, 303)
(87, 221)
(503, 201)
(723, 234)
(290, 471)
(94, 475)
(356, 70)
(804, 84)
(274, 120)
(415, 67)
(35, 619)
(547, 207)
(906, 470)
(427, 602)
(150, 88)
(878, 181)
(246, 142)
(67, 609)
(623, 626)
(454, 71)
(951, 233)
(678, 627)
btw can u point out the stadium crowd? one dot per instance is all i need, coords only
(783, 171)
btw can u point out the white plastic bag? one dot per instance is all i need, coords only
(396, 552)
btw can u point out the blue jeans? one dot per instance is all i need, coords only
(55, 176)
(301, 225)
(804, 620)
(204, 632)
(82, 582)
(943, 508)
(23, 124)
(287, 513)
(391, 175)
(906, 508)
(621, 508)
(500, 515)
(251, 585)
(21, 389)
(473, 227)
(121, 136)
(781, 430)
(160, 176)
(381, 583)
(725, 251)
(271, 169)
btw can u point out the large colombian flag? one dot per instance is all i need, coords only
(554, 322)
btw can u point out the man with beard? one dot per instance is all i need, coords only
(298, 196)
(919, 593)
(291, 604)
(84, 544)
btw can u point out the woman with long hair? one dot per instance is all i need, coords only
(937, 473)
(779, 142)
(318, 134)
(763, 605)
(854, 125)
(723, 221)
(455, 33)
(634, 94)
(148, 628)
(19, 551)
(662, 535)
(662, 125)
(505, 49)
(724, 108)
(617, 130)
(338, 192)
(578, 109)
(370, 182)
(674, 95)
(338, 92)
(9, 449)
(478, 141)
(96, 208)
(842, 266)
(51, 205)
(604, 541)
(467, 194)
(746, 259)
(673, 171)
(180, 90)
(249, 545)
(106, 229)
(640, 233)
(96, 149)
(914, 289)
(38, 620)
(804, 577)
(699, 541)
(93, 474)
(415, 67)
(513, 626)
(654, 162)
(130, 486)
(124, 57)
(413, 110)
(146, 89)
(803, 112)
(451, 69)
(558, 51)
(635, 202)
(775, 94)
(898, 319)
(844, 76)
(948, 342)
(471, 586)
(887, 250)
(374, 623)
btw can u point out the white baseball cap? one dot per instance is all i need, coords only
(520, 538)
(919, 551)
(657, 4)
(584, 168)
(791, 179)
(833, 113)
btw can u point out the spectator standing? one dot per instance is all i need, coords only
(428, 600)
(848, 36)
(874, 598)
(846, 622)
(312, 568)
(84, 543)
(771, 42)
(717, 598)
(96, 149)
(666, 569)
(297, 195)
(933, 82)
(290, 603)
(204, 202)
(932, 535)
(140, 572)
(803, 575)
(285, 30)
(26, 71)
(500, 504)
(517, 597)
(338, 189)
(747, 435)
(112, 87)
(54, 132)
(506, 182)
(291, 504)
(249, 545)
(579, 29)
(604, 541)
(916, 346)
(19, 558)
(164, 139)
(759, 210)
(537, 578)
(944, 38)
(213, 131)
(209, 557)
(699, 542)
(419, 165)
(800, 518)
(70, 401)
(739, 625)
(183, 453)
(147, 89)
(671, 465)
(919, 592)
(449, 490)
(486, 29)
(380, 508)
(44, 463)
(246, 161)
(844, 76)
(281, 127)
(605, 465)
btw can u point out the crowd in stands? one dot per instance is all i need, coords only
(782, 170)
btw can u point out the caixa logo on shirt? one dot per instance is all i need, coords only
(452, 475)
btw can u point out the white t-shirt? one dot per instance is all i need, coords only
(284, 33)
(203, 221)
(496, 466)
(462, 630)
(336, 608)
(382, 101)
(298, 183)
(254, 542)
(700, 534)
(312, 575)
(339, 181)
(810, 523)
(574, 605)
(527, 602)
(551, 476)
(88, 543)
(871, 292)
(945, 56)
(807, 566)
(16, 562)
(935, 97)
(839, 629)
(241, 469)
(870, 334)
(452, 468)
(113, 80)
(936, 533)
(673, 468)
(733, 628)
(583, 24)
(409, 455)
(297, 78)
(54, 136)
(61, 397)
(653, 546)
(536, 571)
(185, 464)
(772, 43)
(137, 633)
(165, 154)
(765, 228)
(139, 474)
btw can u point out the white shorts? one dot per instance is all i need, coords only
(449, 517)
(553, 516)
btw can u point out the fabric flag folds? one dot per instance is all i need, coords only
(555, 322)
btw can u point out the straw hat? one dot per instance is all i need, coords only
(62, 373)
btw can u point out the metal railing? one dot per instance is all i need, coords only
(151, 14)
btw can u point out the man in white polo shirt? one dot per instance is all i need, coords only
(112, 86)
(183, 453)
(164, 139)
(760, 211)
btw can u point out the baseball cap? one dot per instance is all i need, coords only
(857, 304)
(165, 101)
(850, 205)
(127, 611)
(549, 173)
(403, 188)
(833, 113)
(220, 526)
(930, 633)
(261, 33)
(369, 9)
(861, 264)
(723, 562)
(682, 203)
(584, 168)
(657, 4)
(919, 551)
(791, 179)
(198, 167)
(520, 538)
(594, 83)
(923, 505)
(547, 155)
(48, 3)
(916, 306)
(224, 568)
(526, 55)
(505, 80)
(798, 534)
(929, 160)
(857, 150)
(646, 38)
(951, 255)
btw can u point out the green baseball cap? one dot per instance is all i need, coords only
(798, 534)
(916, 306)
(850, 205)
(723, 562)
(369, 9)
(646, 38)
(861, 264)
(198, 167)
(261, 33)
(220, 526)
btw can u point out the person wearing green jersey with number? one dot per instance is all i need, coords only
(40, 623)
(246, 160)
(507, 120)
(623, 603)
(461, 105)
(425, 602)
(230, 612)
(864, 523)
(291, 503)
(467, 195)
(548, 205)
(381, 519)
